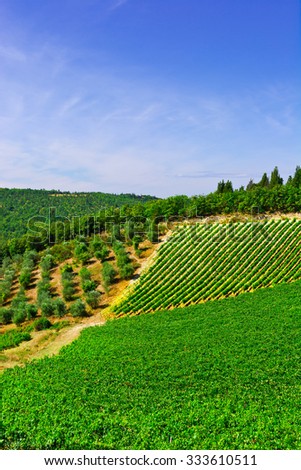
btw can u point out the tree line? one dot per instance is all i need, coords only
(141, 218)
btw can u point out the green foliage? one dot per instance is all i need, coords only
(43, 291)
(102, 254)
(78, 309)
(68, 291)
(81, 253)
(59, 307)
(47, 262)
(93, 298)
(67, 282)
(20, 315)
(62, 251)
(224, 187)
(66, 268)
(85, 274)
(31, 311)
(21, 206)
(135, 241)
(24, 278)
(88, 286)
(41, 324)
(47, 308)
(222, 375)
(124, 264)
(13, 338)
(19, 302)
(275, 179)
(126, 271)
(296, 180)
(108, 274)
(8, 273)
(99, 249)
(6, 315)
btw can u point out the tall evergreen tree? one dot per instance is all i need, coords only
(264, 182)
(296, 181)
(220, 187)
(275, 180)
(250, 185)
(224, 187)
(228, 187)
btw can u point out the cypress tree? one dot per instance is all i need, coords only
(275, 180)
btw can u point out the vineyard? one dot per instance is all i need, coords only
(204, 262)
(221, 375)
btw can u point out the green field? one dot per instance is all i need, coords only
(203, 262)
(221, 375)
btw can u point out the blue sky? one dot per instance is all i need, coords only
(154, 97)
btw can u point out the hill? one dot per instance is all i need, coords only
(18, 206)
(222, 375)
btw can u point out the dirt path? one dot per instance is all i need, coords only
(45, 343)
(49, 342)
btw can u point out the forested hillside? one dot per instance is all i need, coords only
(17, 206)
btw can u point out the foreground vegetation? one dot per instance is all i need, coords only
(221, 375)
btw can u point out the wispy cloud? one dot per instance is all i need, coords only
(117, 4)
(69, 105)
(12, 53)
(212, 174)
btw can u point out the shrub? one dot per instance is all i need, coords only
(59, 307)
(42, 324)
(78, 309)
(126, 271)
(135, 241)
(81, 253)
(102, 254)
(31, 311)
(93, 298)
(47, 308)
(67, 268)
(13, 338)
(68, 291)
(88, 286)
(85, 274)
(19, 315)
(6, 315)
(24, 278)
(108, 274)
(62, 251)
(47, 262)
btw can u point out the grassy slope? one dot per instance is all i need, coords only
(224, 375)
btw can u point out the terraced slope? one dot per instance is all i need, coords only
(211, 261)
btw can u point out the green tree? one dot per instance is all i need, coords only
(296, 181)
(81, 253)
(93, 298)
(78, 309)
(108, 274)
(264, 182)
(59, 307)
(275, 179)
